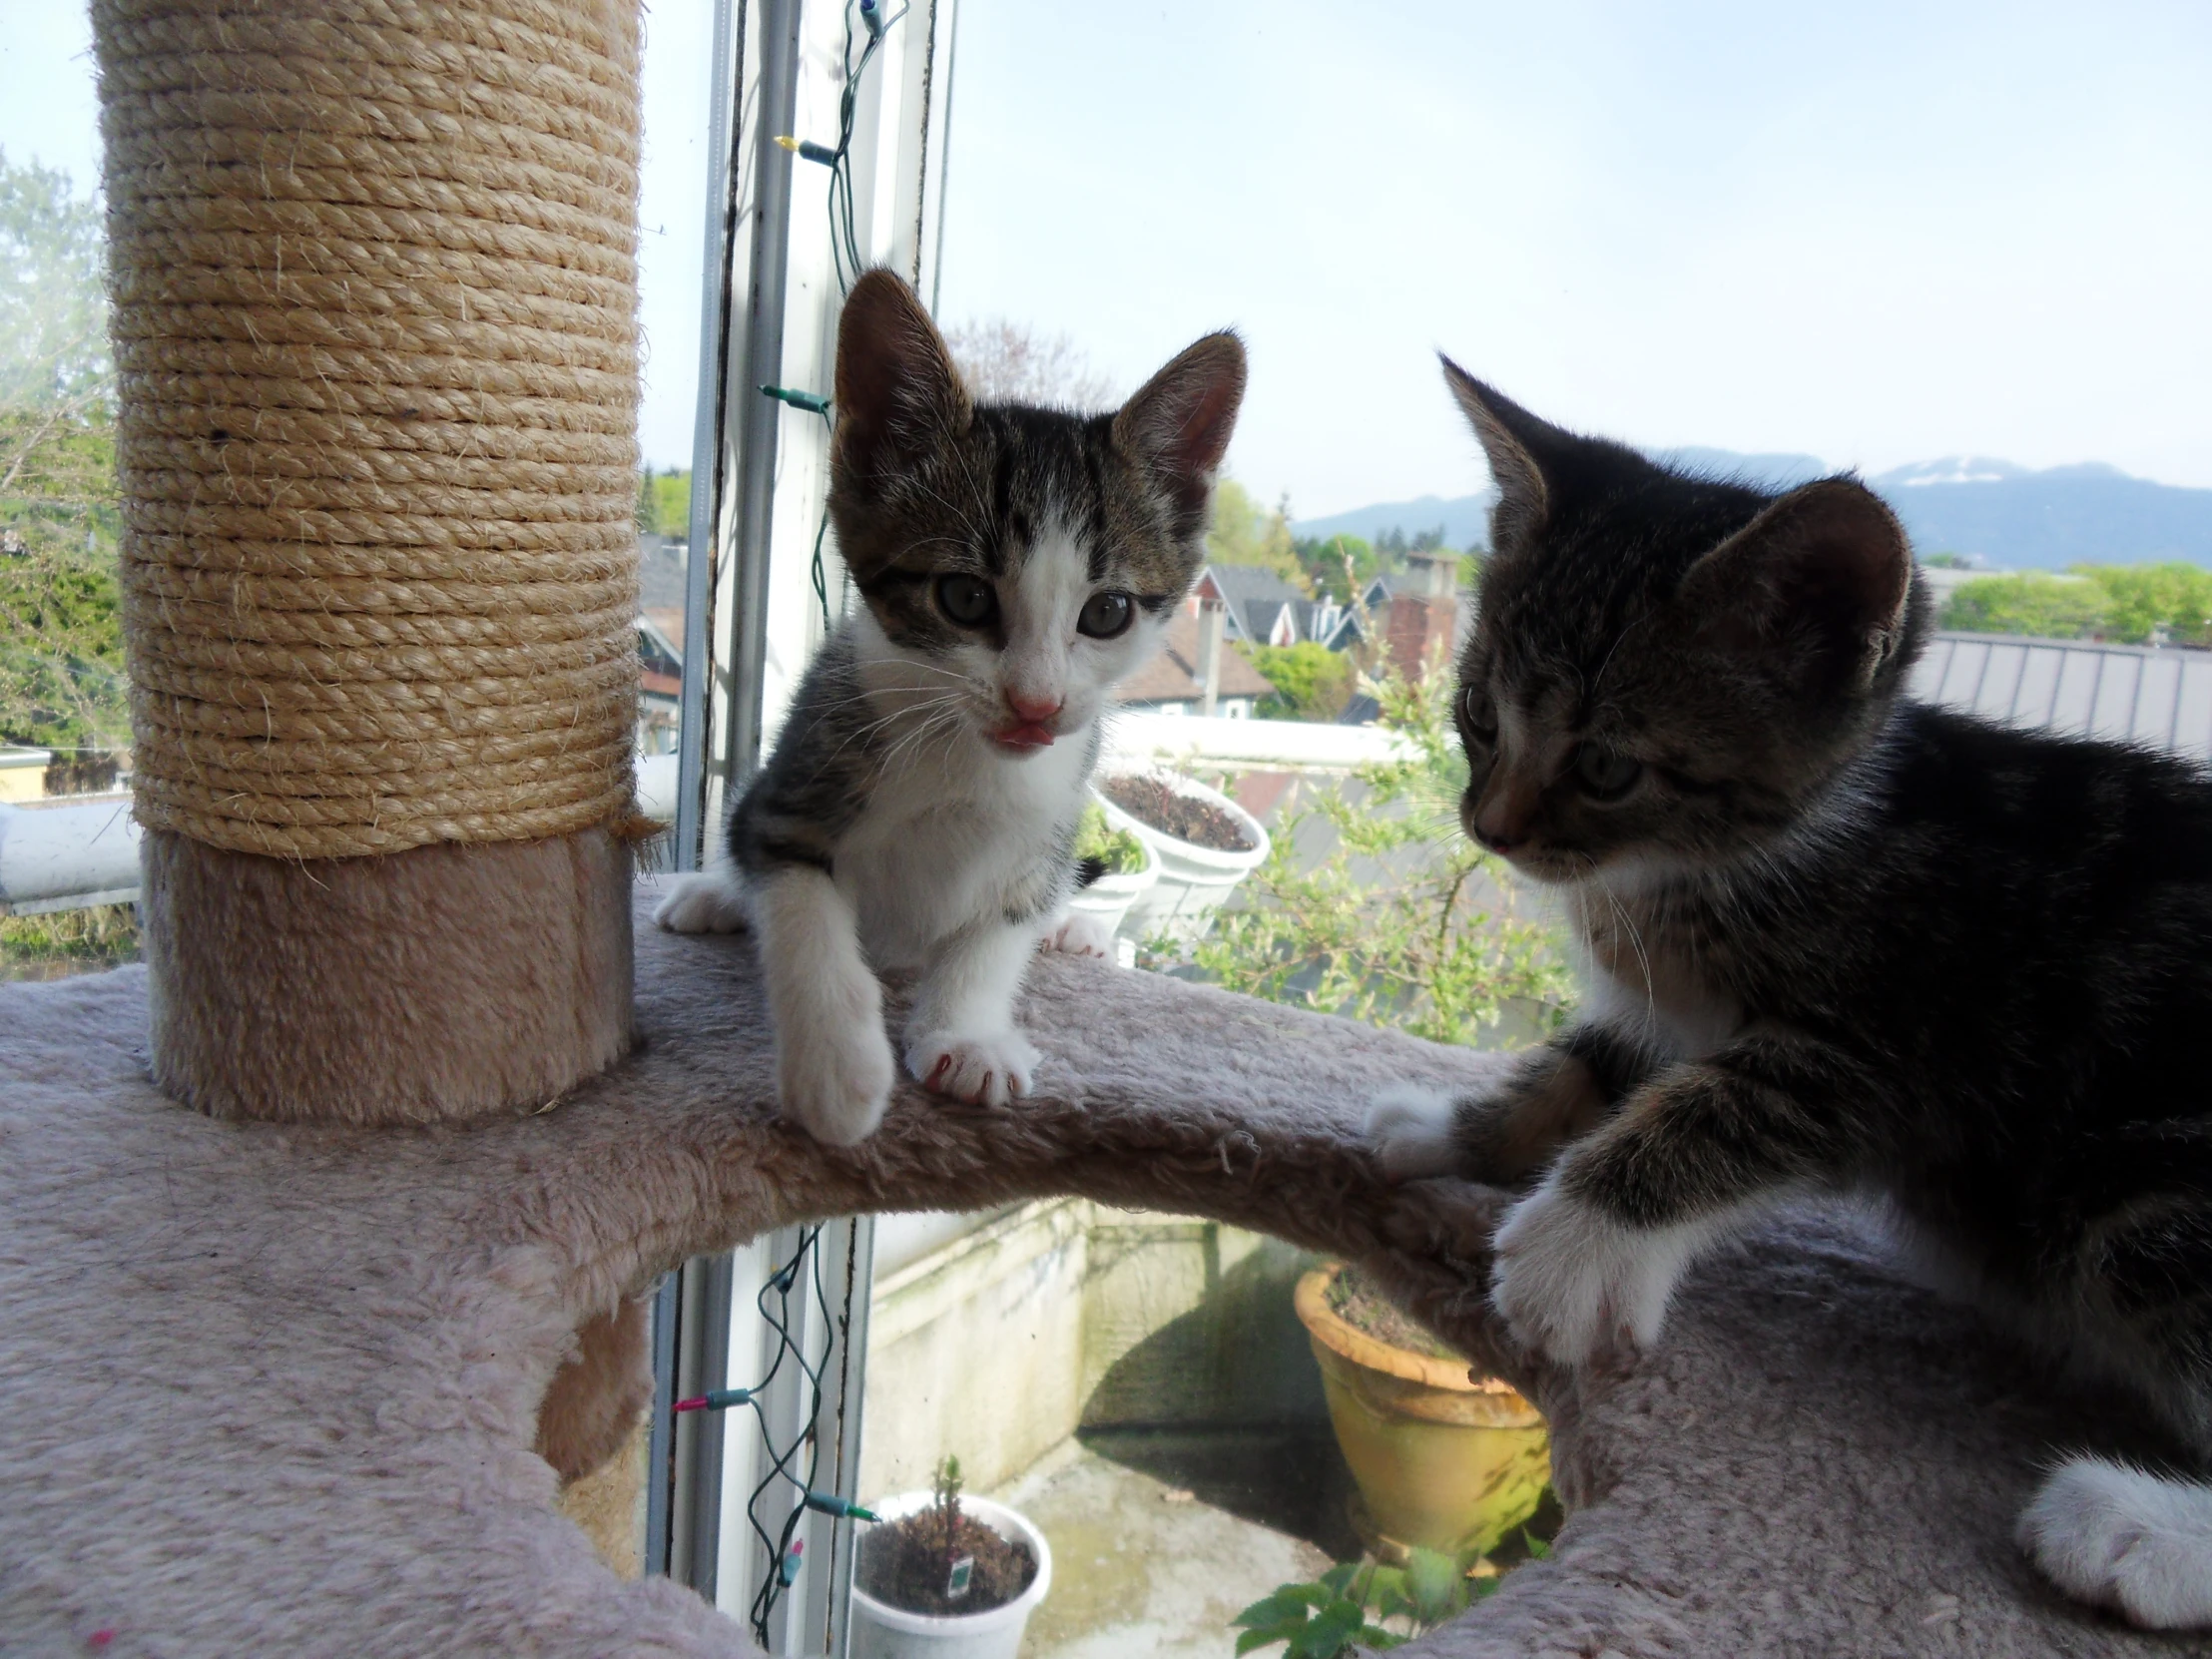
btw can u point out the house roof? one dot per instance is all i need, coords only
(1172, 676)
(2162, 698)
(1242, 582)
(1254, 597)
(668, 621)
(661, 663)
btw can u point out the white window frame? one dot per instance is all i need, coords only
(768, 315)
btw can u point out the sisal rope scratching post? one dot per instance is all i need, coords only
(375, 284)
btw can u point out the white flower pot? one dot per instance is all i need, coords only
(1194, 881)
(1109, 897)
(881, 1631)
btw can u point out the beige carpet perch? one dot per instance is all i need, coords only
(274, 1387)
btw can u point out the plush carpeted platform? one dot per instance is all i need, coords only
(270, 1389)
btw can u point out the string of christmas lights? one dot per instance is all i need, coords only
(844, 236)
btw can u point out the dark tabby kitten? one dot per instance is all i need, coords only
(1834, 940)
(920, 810)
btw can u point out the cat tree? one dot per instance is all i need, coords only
(376, 294)
(279, 1373)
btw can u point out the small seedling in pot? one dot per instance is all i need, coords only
(940, 1560)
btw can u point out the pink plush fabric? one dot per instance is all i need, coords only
(275, 1388)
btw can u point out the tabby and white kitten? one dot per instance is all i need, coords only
(1838, 939)
(918, 813)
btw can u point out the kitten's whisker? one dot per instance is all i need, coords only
(910, 749)
(1635, 943)
(959, 456)
(861, 734)
(960, 674)
(967, 523)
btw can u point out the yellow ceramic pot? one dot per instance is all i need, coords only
(1442, 1460)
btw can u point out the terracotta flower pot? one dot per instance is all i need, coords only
(1443, 1461)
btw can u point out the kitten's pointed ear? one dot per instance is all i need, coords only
(1178, 425)
(1821, 580)
(1510, 436)
(898, 393)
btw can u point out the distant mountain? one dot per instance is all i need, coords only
(2012, 517)
(1466, 521)
(2022, 519)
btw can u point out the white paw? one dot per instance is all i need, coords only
(988, 1069)
(1573, 1283)
(711, 902)
(1410, 1128)
(1079, 934)
(2121, 1538)
(835, 1086)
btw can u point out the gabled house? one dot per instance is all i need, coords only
(1171, 683)
(1259, 607)
(1333, 625)
(660, 680)
(1262, 609)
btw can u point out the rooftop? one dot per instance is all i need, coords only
(2137, 693)
(1172, 676)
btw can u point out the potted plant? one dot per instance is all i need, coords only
(1128, 867)
(1444, 1459)
(1205, 842)
(946, 1576)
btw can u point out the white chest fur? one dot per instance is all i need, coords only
(950, 840)
(1640, 983)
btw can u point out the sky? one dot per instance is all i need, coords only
(1875, 233)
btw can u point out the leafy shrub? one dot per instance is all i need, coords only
(1311, 680)
(2133, 604)
(1386, 929)
(61, 618)
(63, 943)
(61, 629)
(1365, 1604)
(1117, 849)
(663, 503)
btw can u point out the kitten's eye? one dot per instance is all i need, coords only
(1106, 615)
(1477, 715)
(967, 600)
(1604, 774)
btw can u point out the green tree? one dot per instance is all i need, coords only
(1326, 560)
(2143, 602)
(2033, 602)
(61, 636)
(664, 502)
(2133, 604)
(1311, 680)
(1244, 533)
(53, 299)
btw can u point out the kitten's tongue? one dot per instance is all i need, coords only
(1024, 737)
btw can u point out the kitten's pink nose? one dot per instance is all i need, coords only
(1034, 708)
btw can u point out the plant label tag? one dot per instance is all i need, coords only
(956, 1581)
